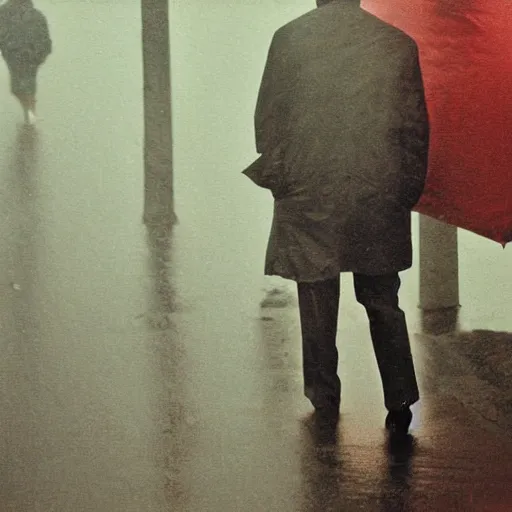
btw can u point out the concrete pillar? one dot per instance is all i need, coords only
(158, 172)
(439, 265)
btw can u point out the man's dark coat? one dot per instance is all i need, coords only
(342, 129)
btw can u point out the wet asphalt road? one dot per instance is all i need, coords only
(138, 372)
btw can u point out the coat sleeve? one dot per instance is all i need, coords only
(3, 27)
(271, 118)
(414, 131)
(43, 43)
(272, 107)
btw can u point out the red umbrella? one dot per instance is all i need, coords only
(466, 57)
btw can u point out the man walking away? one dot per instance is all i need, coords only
(25, 44)
(342, 130)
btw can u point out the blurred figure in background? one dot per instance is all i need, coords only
(25, 44)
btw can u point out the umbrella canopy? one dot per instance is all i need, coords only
(466, 57)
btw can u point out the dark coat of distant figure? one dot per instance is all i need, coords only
(342, 129)
(25, 44)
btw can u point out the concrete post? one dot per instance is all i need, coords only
(439, 265)
(158, 176)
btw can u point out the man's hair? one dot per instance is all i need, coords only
(320, 3)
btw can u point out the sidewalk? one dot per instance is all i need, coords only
(485, 360)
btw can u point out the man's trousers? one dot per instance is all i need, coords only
(319, 303)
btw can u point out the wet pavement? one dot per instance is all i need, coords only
(139, 372)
